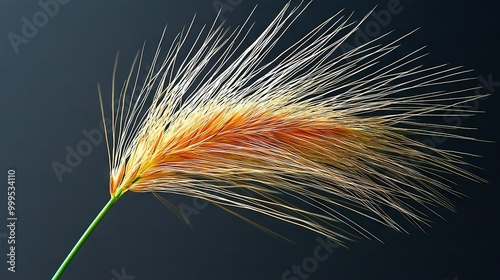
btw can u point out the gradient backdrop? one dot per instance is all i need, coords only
(49, 103)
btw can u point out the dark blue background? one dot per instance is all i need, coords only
(48, 96)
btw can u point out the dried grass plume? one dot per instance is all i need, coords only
(309, 137)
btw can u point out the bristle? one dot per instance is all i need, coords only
(305, 138)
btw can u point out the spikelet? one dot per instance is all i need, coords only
(308, 137)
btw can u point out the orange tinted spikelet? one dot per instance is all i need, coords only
(304, 137)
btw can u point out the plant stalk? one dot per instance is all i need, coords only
(84, 237)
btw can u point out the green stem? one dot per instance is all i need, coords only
(84, 237)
